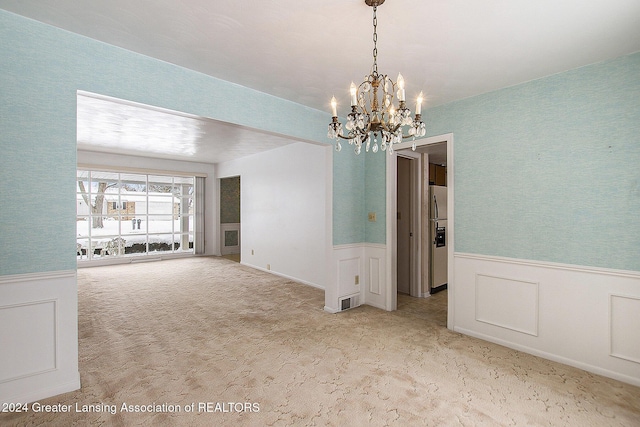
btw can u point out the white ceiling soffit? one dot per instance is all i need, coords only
(112, 125)
(307, 51)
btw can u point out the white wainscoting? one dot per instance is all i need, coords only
(581, 316)
(625, 327)
(520, 313)
(39, 336)
(359, 269)
(375, 289)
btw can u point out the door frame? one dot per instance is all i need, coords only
(415, 208)
(391, 238)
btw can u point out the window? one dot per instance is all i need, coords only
(131, 214)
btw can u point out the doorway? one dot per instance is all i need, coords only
(408, 214)
(230, 218)
(433, 150)
(403, 217)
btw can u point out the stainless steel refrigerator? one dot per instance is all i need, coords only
(438, 237)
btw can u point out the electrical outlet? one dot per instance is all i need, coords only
(372, 216)
(268, 266)
(252, 252)
(357, 281)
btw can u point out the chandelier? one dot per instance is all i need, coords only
(373, 114)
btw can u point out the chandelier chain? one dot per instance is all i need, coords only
(375, 40)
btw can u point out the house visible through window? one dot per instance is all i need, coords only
(130, 214)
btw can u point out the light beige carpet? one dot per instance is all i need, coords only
(210, 332)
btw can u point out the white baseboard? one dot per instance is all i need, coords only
(295, 279)
(580, 316)
(554, 357)
(44, 392)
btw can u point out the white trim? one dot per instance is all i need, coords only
(612, 296)
(134, 259)
(142, 171)
(55, 354)
(275, 273)
(55, 367)
(553, 357)
(555, 265)
(45, 392)
(573, 312)
(29, 277)
(391, 279)
(330, 310)
(330, 280)
(359, 246)
(535, 304)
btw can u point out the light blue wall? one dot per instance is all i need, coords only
(376, 196)
(359, 187)
(550, 170)
(546, 170)
(41, 69)
(348, 196)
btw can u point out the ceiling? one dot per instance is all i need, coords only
(112, 125)
(307, 51)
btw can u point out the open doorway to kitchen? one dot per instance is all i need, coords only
(230, 218)
(422, 228)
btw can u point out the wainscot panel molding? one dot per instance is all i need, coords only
(39, 333)
(581, 316)
(519, 308)
(625, 320)
(359, 269)
(375, 256)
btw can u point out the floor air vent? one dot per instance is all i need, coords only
(349, 302)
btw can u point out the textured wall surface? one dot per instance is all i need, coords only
(42, 67)
(359, 187)
(376, 197)
(550, 170)
(546, 170)
(349, 216)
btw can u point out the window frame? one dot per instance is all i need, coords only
(99, 244)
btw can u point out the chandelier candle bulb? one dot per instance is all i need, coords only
(419, 104)
(334, 106)
(354, 90)
(400, 87)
